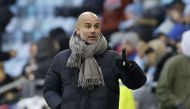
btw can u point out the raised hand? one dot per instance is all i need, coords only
(122, 63)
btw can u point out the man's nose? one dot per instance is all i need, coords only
(92, 29)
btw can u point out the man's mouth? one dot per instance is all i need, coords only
(92, 37)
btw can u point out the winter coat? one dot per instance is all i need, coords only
(61, 90)
(174, 83)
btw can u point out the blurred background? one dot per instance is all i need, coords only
(32, 32)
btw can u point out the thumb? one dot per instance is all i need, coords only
(124, 53)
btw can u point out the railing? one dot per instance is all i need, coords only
(28, 86)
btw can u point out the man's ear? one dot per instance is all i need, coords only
(77, 29)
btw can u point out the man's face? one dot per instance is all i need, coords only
(141, 47)
(151, 59)
(89, 29)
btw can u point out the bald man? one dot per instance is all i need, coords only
(88, 27)
(86, 75)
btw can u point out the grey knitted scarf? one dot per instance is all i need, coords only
(82, 57)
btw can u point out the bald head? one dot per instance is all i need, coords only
(88, 27)
(86, 16)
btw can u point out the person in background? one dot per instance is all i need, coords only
(112, 15)
(174, 81)
(86, 75)
(141, 47)
(129, 42)
(59, 36)
(42, 53)
(133, 13)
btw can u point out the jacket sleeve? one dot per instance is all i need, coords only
(134, 78)
(164, 91)
(52, 85)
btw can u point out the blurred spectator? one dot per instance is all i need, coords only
(176, 11)
(165, 27)
(116, 38)
(151, 64)
(132, 14)
(177, 4)
(162, 37)
(159, 48)
(173, 85)
(148, 22)
(59, 36)
(169, 50)
(129, 41)
(177, 31)
(156, 49)
(141, 47)
(111, 17)
(179, 28)
(42, 54)
(159, 68)
(173, 15)
(142, 101)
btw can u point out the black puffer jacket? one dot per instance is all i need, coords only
(61, 91)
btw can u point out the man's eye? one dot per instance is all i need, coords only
(87, 26)
(96, 26)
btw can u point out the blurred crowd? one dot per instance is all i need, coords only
(33, 31)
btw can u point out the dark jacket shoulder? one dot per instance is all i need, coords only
(63, 55)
